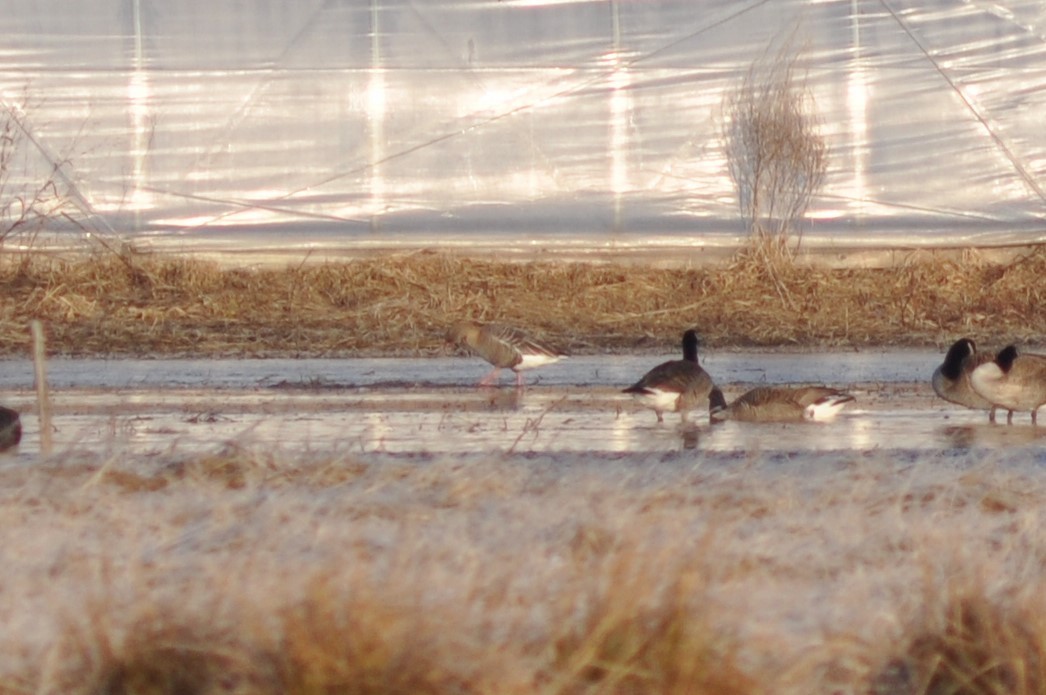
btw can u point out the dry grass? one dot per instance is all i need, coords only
(151, 654)
(401, 305)
(980, 648)
(624, 646)
(965, 640)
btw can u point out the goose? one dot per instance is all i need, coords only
(676, 385)
(779, 404)
(1013, 381)
(505, 347)
(951, 380)
(10, 428)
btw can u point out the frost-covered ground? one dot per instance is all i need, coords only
(813, 568)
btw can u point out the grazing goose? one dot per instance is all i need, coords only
(779, 404)
(951, 381)
(10, 428)
(1012, 381)
(504, 347)
(676, 385)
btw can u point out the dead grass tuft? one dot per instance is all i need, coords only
(366, 642)
(974, 647)
(153, 656)
(159, 669)
(629, 643)
(235, 466)
(401, 305)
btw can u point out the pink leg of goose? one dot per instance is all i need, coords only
(490, 378)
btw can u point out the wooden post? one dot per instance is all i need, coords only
(43, 398)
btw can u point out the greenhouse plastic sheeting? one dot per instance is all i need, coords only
(362, 122)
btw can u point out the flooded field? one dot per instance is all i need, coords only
(404, 406)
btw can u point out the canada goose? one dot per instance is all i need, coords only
(676, 385)
(779, 404)
(10, 428)
(951, 381)
(505, 347)
(1013, 381)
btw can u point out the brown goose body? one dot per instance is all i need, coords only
(505, 347)
(951, 380)
(676, 385)
(10, 428)
(1013, 381)
(779, 404)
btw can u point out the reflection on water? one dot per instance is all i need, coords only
(503, 399)
(484, 420)
(990, 435)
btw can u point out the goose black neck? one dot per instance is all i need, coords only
(716, 401)
(958, 352)
(690, 342)
(1006, 357)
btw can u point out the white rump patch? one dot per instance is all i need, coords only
(532, 361)
(827, 408)
(658, 399)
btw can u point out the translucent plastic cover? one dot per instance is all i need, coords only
(377, 122)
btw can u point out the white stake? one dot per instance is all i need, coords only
(43, 398)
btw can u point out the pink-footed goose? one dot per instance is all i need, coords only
(505, 347)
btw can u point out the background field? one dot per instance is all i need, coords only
(401, 305)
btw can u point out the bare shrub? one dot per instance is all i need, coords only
(777, 158)
(34, 190)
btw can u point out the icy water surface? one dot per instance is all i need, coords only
(409, 406)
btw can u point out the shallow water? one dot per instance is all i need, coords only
(835, 367)
(408, 406)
